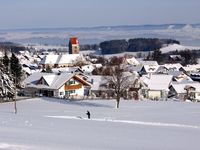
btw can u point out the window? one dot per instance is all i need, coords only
(70, 82)
(61, 93)
(72, 91)
(69, 92)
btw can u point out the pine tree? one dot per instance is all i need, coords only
(16, 68)
(6, 62)
(157, 56)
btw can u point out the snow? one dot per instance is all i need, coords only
(131, 122)
(54, 81)
(56, 124)
(157, 81)
(132, 61)
(49, 78)
(180, 87)
(174, 47)
(61, 59)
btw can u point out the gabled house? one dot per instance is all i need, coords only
(179, 76)
(161, 70)
(183, 91)
(61, 85)
(89, 68)
(173, 67)
(132, 61)
(99, 85)
(149, 63)
(191, 68)
(175, 58)
(155, 86)
(64, 60)
(148, 67)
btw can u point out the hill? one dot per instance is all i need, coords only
(134, 45)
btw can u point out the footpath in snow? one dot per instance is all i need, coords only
(128, 122)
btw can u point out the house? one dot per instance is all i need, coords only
(148, 62)
(132, 61)
(148, 67)
(74, 46)
(89, 68)
(179, 76)
(76, 70)
(59, 85)
(192, 68)
(175, 58)
(99, 85)
(155, 86)
(102, 86)
(183, 91)
(173, 67)
(162, 70)
(63, 60)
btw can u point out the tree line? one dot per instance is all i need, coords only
(134, 45)
(188, 57)
(13, 47)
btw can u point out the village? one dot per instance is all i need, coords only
(77, 76)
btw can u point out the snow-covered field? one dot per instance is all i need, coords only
(51, 124)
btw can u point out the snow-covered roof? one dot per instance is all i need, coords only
(68, 58)
(192, 68)
(49, 59)
(175, 73)
(131, 68)
(150, 63)
(60, 59)
(151, 68)
(66, 69)
(49, 78)
(27, 70)
(180, 87)
(96, 82)
(132, 61)
(55, 81)
(157, 81)
(179, 76)
(88, 68)
(176, 66)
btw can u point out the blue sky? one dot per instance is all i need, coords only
(86, 13)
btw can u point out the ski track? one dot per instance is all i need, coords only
(129, 122)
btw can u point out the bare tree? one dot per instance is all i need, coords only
(119, 80)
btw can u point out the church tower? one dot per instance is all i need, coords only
(73, 46)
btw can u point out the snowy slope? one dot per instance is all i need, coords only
(174, 47)
(51, 124)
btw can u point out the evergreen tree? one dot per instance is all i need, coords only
(16, 68)
(6, 62)
(157, 56)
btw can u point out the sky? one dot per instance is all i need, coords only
(88, 13)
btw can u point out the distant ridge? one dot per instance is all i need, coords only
(117, 27)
